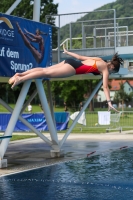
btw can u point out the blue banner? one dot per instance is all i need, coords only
(24, 44)
(37, 120)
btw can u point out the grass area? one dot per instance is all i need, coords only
(21, 137)
(35, 108)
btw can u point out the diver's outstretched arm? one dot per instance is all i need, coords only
(111, 107)
(80, 57)
(106, 89)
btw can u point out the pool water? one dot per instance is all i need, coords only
(108, 176)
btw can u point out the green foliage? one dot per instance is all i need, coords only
(73, 92)
(21, 137)
(25, 8)
(123, 9)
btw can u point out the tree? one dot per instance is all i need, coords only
(89, 87)
(73, 92)
(69, 91)
(25, 8)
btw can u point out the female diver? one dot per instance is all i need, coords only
(70, 67)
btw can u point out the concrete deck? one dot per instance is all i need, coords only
(33, 153)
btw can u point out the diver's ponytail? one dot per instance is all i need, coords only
(116, 61)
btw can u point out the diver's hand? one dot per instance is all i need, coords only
(111, 107)
(64, 49)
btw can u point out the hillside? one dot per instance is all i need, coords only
(123, 9)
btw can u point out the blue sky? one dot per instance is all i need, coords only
(73, 6)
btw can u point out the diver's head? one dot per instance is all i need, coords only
(115, 63)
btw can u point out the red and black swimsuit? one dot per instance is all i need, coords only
(81, 68)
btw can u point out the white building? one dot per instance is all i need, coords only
(115, 86)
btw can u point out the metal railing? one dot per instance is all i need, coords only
(109, 32)
(124, 122)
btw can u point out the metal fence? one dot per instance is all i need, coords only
(118, 122)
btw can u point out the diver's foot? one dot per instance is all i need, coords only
(17, 81)
(12, 79)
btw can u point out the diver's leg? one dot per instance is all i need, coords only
(12, 79)
(58, 71)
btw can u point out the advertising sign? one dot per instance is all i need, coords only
(38, 120)
(24, 44)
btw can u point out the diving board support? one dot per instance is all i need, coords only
(27, 124)
(55, 151)
(36, 10)
(47, 113)
(80, 113)
(3, 162)
(14, 5)
(50, 101)
(32, 96)
(14, 117)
